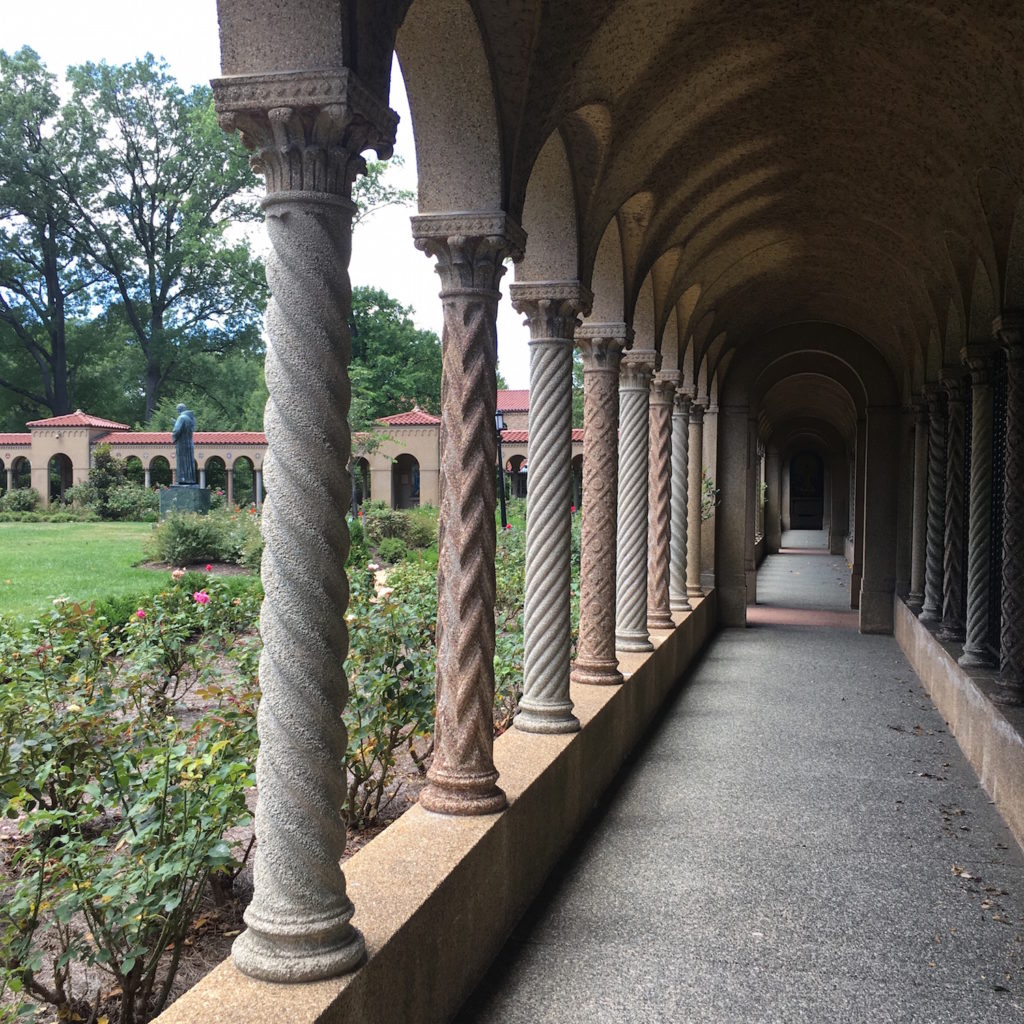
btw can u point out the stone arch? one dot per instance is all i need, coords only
(576, 468)
(983, 308)
(607, 281)
(160, 471)
(360, 480)
(955, 337)
(243, 482)
(134, 471)
(644, 322)
(60, 476)
(405, 481)
(216, 473)
(21, 472)
(517, 469)
(1013, 291)
(550, 219)
(3, 477)
(451, 96)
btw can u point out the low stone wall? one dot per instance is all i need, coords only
(437, 897)
(989, 735)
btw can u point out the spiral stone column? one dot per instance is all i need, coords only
(953, 548)
(678, 600)
(631, 560)
(551, 309)
(979, 523)
(601, 345)
(469, 250)
(694, 498)
(920, 513)
(936, 529)
(307, 133)
(1009, 330)
(659, 529)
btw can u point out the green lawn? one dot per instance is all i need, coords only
(83, 561)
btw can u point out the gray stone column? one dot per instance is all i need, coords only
(469, 250)
(678, 600)
(694, 497)
(659, 531)
(773, 497)
(307, 135)
(149, 482)
(920, 511)
(1009, 330)
(953, 547)
(202, 478)
(753, 498)
(259, 488)
(979, 541)
(551, 309)
(631, 558)
(857, 570)
(936, 529)
(734, 522)
(602, 346)
(879, 513)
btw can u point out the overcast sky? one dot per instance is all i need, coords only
(184, 33)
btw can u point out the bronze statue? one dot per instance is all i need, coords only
(184, 451)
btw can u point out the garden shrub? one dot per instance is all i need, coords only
(186, 538)
(131, 501)
(380, 521)
(392, 549)
(22, 499)
(358, 552)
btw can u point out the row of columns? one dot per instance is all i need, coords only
(307, 137)
(957, 564)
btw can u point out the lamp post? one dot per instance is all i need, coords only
(499, 426)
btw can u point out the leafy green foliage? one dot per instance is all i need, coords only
(22, 499)
(392, 549)
(416, 528)
(186, 538)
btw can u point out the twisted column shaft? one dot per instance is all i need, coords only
(932, 610)
(659, 530)
(953, 560)
(602, 346)
(920, 513)
(308, 150)
(678, 600)
(1011, 637)
(551, 310)
(469, 250)
(976, 651)
(694, 499)
(631, 568)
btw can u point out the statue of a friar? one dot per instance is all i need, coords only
(184, 450)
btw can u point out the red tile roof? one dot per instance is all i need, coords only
(415, 417)
(78, 419)
(577, 435)
(240, 437)
(523, 436)
(9, 440)
(514, 401)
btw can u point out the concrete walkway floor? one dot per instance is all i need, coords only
(800, 840)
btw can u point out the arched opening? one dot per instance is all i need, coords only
(243, 483)
(577, 480)
(360, 481)
(807, 491)
(21, 473)
(134, 471)
(3, 477)
(216, 476)
(516, 469)
(160, 472)
(405, 482)
(59, 476)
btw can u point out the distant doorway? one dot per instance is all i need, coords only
(806, 492)
(405, 482)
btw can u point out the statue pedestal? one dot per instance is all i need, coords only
(184, 498)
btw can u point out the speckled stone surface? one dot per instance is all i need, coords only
(801, 840)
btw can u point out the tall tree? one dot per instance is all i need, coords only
(157, 187)
(45, 281)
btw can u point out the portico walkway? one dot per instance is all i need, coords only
(801, 840)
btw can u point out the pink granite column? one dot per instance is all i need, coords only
(659, 530)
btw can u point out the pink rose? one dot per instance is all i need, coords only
(141, 613)
(201, 597)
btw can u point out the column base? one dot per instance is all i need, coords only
(915, 600)
(546, 718)
(298, 950)
(855, 582)
(876, 612)
(976, 657)
(930, 614)
(680, 603)
(694, 591)
(660, 620)
(596, 673)
(633, 641)
(1010, 693)
(951, 634)
(463, 794)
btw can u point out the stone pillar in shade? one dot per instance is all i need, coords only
(551, 309)
(259, 489)
(631, 558)
(659, 531)
(202, 479)
(601, 345)
(694, 496)
(936, 529)
(920, 512)
(953, 542)
(857, 570)
(307, 133)
(678, 600)
(979, 529)
(469, 250)
(1009, 330)
(149, 479)
(773, 500)
(879, 530)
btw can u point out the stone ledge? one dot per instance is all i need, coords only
(989, 735)
(437, 897)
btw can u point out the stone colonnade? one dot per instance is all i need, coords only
(969, 479)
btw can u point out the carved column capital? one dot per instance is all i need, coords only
(306, 129)
(978, 360)
(602, 346)
(470, 249)
(638, 366)
(681, 406)
(952, 382)
(1008, 330)
(663, 387)
(697, 409)
(552, 308)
